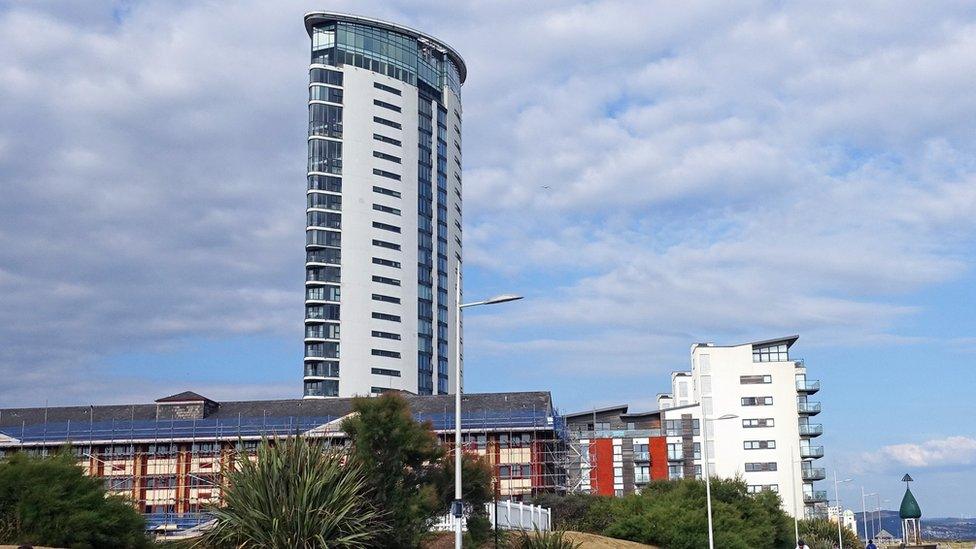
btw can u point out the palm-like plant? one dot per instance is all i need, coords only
(544, 540)
(296, 494)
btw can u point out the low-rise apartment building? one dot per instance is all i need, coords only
(760, 426)
(169, 456)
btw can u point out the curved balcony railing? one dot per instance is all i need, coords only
(808, 408)
(817, 496)
(811, 430)
(811, 451)
(809, 387)
(813, 473)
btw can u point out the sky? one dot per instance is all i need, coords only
(647, 174)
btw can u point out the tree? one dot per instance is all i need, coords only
(577, 512)
(297, 493)
(822, 534)
(50, 501)
(672, 514)
(401, 459)
(477, 489)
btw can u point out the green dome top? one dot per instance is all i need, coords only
(909, 507)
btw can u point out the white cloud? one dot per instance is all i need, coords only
(944, 452)
(715, 171)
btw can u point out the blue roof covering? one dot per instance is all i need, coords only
(210, 428)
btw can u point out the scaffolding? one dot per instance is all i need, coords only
(173, 470)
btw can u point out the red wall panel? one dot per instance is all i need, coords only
(658, 448)
(601, 458)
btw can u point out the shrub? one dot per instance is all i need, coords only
(543, 540)
(295, 494)
(822, 534)
(50, 501)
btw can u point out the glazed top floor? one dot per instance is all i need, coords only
(386, 48)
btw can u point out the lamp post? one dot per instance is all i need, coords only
(457, 507)
(880, 526)
(796, 511)
(840, 508)
(864, 514)
(706, 472)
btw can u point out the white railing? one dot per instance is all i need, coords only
(512, 515)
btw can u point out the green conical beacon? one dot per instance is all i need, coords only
(909, 506)
(910, 514)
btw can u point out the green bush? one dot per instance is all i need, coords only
(577, 512)
(822, 534)
(295, 494)
(479, 530)
(50, 501)
(672, 514)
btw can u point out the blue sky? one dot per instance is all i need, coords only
(715, 171)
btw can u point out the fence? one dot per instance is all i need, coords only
(512, 515)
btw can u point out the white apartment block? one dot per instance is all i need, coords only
(383, 234)
(756, 399)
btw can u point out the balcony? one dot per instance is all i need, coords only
(811, 430)
(817, 496)
(813, 473)
(675, 457)
(807, 386)
(819, 512)
(642, 456)
(811, 451)
(808, 408)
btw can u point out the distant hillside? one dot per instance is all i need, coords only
(932, 528)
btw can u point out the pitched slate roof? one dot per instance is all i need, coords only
(185, 396)
(521, 410)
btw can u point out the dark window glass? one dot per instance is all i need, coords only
(385, 244)
(384, 156)
(325, 93)
(386, 105)
(324, 156)
(326, 76)
(325, 120)
(383, 352)
(386, 88)
(386, 262)
(386, 122)
(325, 183)
(386, 139)
(386, 298)
(387, 192)
(386, 174)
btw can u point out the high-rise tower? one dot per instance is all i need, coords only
(383, 235)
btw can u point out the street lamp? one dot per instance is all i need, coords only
(880, 526)
(864, 513)
(706, 472)
(504, 298)
(840, 508)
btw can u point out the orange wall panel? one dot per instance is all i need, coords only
(601, 457)
(658, 449)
